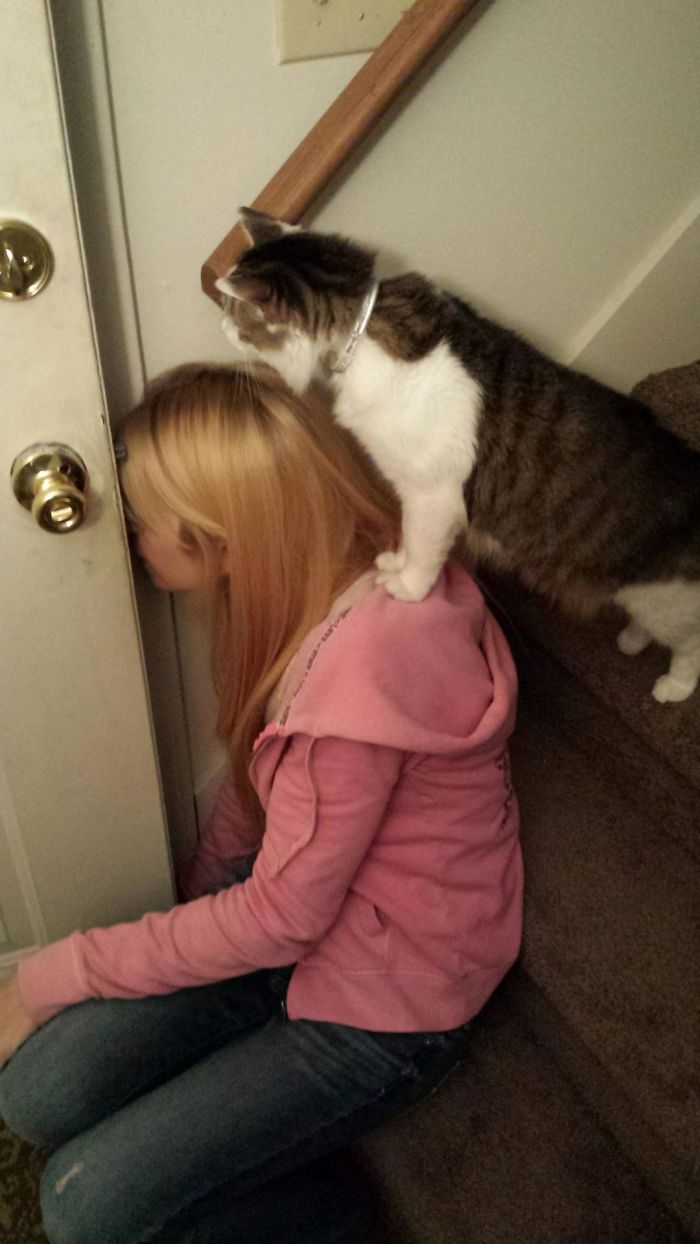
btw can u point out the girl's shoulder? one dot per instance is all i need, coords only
(416, 675)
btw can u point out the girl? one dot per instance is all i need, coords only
(356, 895)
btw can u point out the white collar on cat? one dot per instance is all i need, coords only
(341, 361)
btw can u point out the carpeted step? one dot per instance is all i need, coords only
(562, 703)
(587, 650)
(20, 1171)
(674, 395)
(507, 1151)
(611, 931)
(609, 1104)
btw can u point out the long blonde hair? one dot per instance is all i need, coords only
(239, 461)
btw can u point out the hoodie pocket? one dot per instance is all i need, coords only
(371, 928)
(366, 918)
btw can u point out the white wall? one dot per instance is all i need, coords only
(531, 172)
(549, 170)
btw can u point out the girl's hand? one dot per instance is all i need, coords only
(16, 1024)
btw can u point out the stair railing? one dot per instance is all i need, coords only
(350, 118)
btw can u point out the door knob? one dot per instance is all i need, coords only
(26, 261)
(51, 481)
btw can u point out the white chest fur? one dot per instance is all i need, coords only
(418, 420)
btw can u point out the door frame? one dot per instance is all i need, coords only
(92, 141)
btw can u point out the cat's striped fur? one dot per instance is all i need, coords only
(575, 487)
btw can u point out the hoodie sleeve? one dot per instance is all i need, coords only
(229, 834)
(327, 801)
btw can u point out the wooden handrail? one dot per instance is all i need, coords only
(349, 119)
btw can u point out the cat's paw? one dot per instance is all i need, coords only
(390, 563)
(669, 690)
(407, 584)
(633, 639)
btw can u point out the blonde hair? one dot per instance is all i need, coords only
(237, 460)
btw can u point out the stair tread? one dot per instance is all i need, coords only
(611, 932)
(674, 395)
(506, 1152)
(553, 697)
(588, 651)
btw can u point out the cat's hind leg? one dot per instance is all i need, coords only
(668, 612)
(432, 515)
(683, 674)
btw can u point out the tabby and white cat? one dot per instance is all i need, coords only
(576, 488)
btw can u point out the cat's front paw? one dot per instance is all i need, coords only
(407, 584)
(669, 690)
(390, 563)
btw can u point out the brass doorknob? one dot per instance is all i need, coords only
(26, 261)
(51, 481)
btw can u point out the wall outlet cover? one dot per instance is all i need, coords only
(310, 28)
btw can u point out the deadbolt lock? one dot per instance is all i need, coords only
(51, 481)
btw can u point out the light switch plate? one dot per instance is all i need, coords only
(310, 28)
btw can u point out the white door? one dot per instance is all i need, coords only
(82, 830)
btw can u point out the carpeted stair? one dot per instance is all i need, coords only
(574, 1118)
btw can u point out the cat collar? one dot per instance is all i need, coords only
(340, 362)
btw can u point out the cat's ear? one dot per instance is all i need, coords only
(258, 293)
(261, 228)
(245, 288)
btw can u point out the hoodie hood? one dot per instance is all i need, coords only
(434, 676)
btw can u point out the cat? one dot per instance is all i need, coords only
(576, 488)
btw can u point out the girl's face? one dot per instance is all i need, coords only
(172, 566)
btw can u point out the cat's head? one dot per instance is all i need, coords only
(293, 296)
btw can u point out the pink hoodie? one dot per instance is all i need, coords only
(389, 870)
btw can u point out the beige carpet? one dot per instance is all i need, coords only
(20, 1168)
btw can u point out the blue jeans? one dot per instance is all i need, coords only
(207, 1116)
